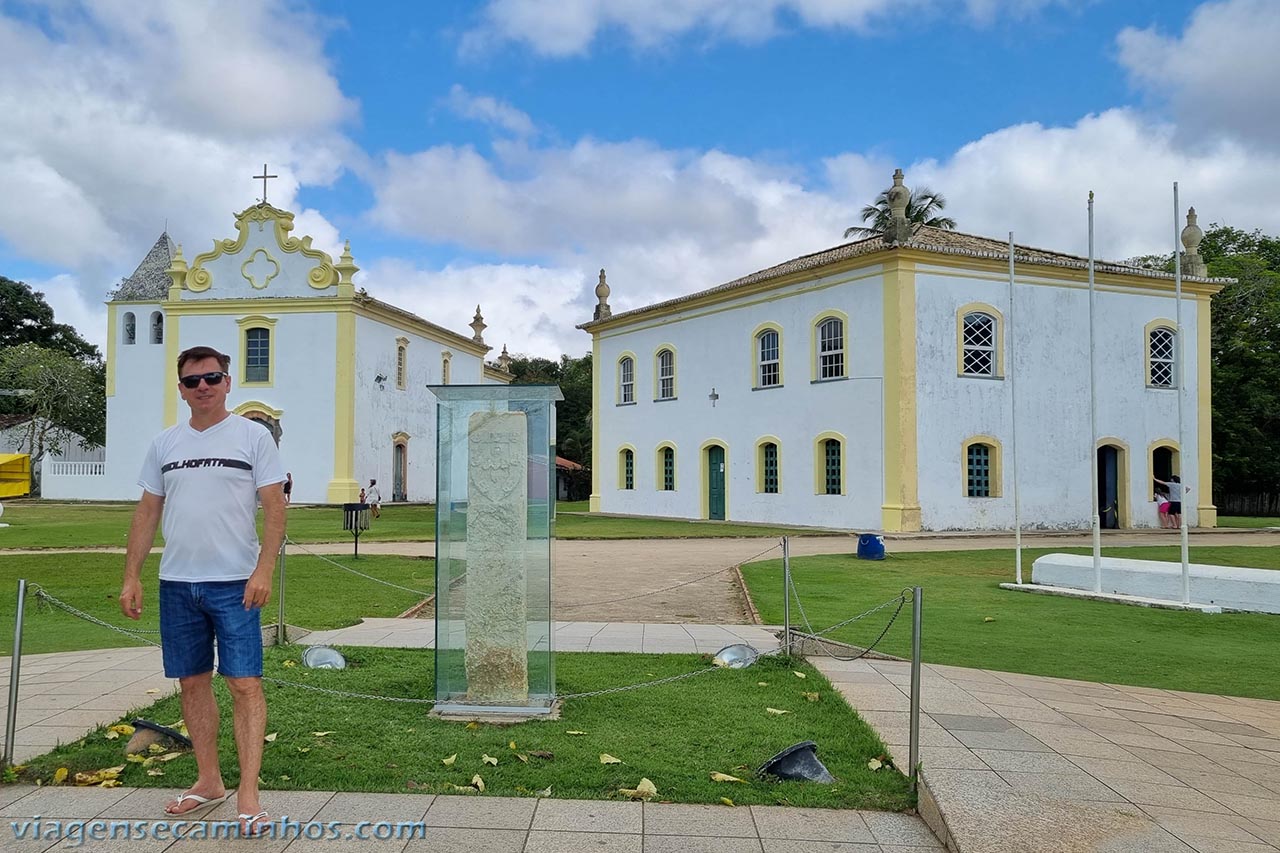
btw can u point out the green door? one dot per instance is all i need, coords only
(715, 483)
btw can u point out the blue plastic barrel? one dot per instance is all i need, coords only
(870, 547)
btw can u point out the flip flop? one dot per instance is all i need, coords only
(201, 803)
(254, 823)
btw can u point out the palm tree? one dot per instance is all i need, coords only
(921, 210)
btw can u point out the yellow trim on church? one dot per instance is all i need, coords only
(1207, 513)
(593, 502)
(323, 275)
(171, 363)
(900, 511)
(343, 488)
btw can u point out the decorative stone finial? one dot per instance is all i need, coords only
(1192, 262)
(504, 360)
(177, 270)
(899, 228)
(602, 294)
(478, 325)
(346, 266)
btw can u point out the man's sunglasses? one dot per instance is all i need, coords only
(210, 379)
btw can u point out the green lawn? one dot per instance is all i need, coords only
(36, 524)
(1232, 653)
(1247, 521)
(317, 596)
(676, 735)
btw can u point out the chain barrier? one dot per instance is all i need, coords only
(900, 600)
(727, 568)
(336, 564)
(41, 594)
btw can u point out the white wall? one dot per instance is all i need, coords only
(1051, 356)
(714, 348)
(228, 281)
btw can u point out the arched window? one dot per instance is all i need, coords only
(666, 375)
(667, 457)
(831, 348)
(157, 327)
(769, 370)
(402, 362)
(627, 462)
(1162, 369)
(626, 380)
(979, 344)
(445, 359)
(130, 328)
(257, 355)
(833, 473)
(980, 466)
(769, 468)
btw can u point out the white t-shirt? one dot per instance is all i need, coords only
(209, 481)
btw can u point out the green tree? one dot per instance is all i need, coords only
(922, 209)
(25, 318)
(68, 397)
(573, 413)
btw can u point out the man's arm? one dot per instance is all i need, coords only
(258, 589)
(142, 535)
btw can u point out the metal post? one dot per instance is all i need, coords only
(1011, 371)
(1179, 352)
(916, 613)
(786, 594)
(282, 635)
(15, 666)
(1093, 420)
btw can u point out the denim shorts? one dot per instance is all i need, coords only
(193, 615)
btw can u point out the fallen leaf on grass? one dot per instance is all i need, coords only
(523, 758)
(136, 758)
(488, 759)
(543, 754)
(726, 801)
(98, 777)
(798, 674)
(646, 790)
(284, 778)
(271, 737)
(155, 771)
(448, 762)
(60, 776)
(304, 749)
(575, 733)
(169, 756)
(875, 764)
(115, 731)
(724, 777)
(153, 690)
(988, 618)
(777, 711)
(463, 789)
(545, 792)
(812, 697)
(511, 745)
(155, 748)
(477, 783)
(472, 726)
(322, 734)
(289, 663)
(762, 684)
(606, 758)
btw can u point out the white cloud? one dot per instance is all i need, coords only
(1219, 75)
(71, 306)
(490, 110)
(568, 27)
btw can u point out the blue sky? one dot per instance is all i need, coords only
(504, 151)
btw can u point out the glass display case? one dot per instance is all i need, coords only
(495, 528)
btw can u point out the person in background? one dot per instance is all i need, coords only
(374, 499)
(1162, 505)
(1176, 492)
(288, 487)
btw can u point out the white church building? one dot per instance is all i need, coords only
(868, 387)
(338, 377)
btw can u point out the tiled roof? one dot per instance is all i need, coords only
(150, 281)
(7, 421)
(925, 238)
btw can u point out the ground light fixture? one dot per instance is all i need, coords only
(798, 763)
(737, 656)
(323, 657)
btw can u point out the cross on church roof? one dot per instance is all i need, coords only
(263, 177)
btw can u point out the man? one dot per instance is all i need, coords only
(374, 499)
(205, 477)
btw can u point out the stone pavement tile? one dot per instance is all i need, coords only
(1188, 736)
(65, 802)
(1090, 749)
(1006, 699)
(797, 824)
(1231, 728)
(928, 737)
(864, 697)
(356, 807)
(901, 829)
(775, 845)
(966, 723)
(953, 758)
(1041, 714)
(673, 819)
(1072, 706)
(1249, 769)
(10, 794)
(1184, 823)
(838, 677)
(587, 816)
(1149, 719)
(295, 805)
(578, 842)
(1147, 741)
(1217, 845)
(1184, 761)
(1062, 786)
(485, 812)
(1149, 793)
(1260, 807)
(346, 842)
(135, 845)
(1108, 725)
(1219, 783)
(1138, 771)
(950, 782)
(41, 701)
(896, 719)
(1001, 760)
(1264, 744)
(1267, 830)
(1013, 739)
(1239, 753)
(144, 804)
(470, 840)
(85, 719)
(699, 844)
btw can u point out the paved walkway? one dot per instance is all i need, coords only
(1028, 763)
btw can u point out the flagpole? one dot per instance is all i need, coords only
(1178, 354)
(1010, 371)
(1093, 419)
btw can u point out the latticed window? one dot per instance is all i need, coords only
(979, 469)
(979, 344)
(627, 381)
(1162, 360)
(401, 357)
(831, 453)
(666, 374)
(769, 459)
(769, 362)
(444, 369)
(257, 355)
(831, 349)
(628, 470)
(668, 469)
